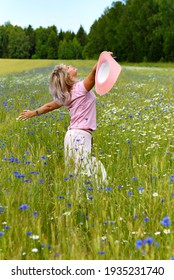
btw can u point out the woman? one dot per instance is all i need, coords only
(78, 98)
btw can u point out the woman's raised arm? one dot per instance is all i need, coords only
(89, 81)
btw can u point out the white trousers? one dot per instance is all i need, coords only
(77, 149)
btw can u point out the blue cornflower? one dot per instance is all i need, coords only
(34, 172)
(130, 193)
(146, 219)
(24, 207)
(91, 197)
(166, 221)
(1, 233)
(43, 157)
(29, 233)
(18, 175)
(90, 189)
(61, 196)
(149, 240)
(139, 244)
(172, 178)
(120, 186)
(41, 181)
(101, 253)
(6, 227)
(12, 159)
(140, 189)
(134, 179)
(108, 189)
(49, 247)
(66, 179)
(35, 214)
(172, 258)
(27, 181)
(88, 182)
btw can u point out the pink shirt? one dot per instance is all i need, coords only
(82, 108)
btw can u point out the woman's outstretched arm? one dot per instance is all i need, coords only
(26, 114)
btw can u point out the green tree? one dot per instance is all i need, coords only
(138, 28)
(166, 16)
(41, 35)
(18, 44)
(82, 36)
(65, 50)
(3, 42)
(69, 49)
(52, 43)
(77, 49)
(96, 40)
(111, 31)
(104, 33)
(68, 35)
(31, 37)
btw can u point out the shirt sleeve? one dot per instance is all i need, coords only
(80, 88)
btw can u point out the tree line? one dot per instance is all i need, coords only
(134, 30)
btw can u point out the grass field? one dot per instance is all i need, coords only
(46, 213)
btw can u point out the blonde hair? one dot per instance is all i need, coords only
(61, 85)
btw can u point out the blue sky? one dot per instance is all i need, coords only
(65, 14)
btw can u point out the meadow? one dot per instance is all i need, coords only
(47, 213)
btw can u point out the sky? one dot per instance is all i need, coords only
(67, 15)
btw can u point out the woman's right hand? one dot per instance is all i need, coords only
(26, 114)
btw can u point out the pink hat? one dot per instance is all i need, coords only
(107, 73)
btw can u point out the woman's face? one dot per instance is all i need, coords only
(72, 71)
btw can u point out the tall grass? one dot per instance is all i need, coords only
(47, 213)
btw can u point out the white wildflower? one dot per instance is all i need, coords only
(34, 237)
(66, 213)
(166, 231)
(155, 194)
(103, 238)
(34, 250)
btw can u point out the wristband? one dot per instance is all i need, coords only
(37, 113)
